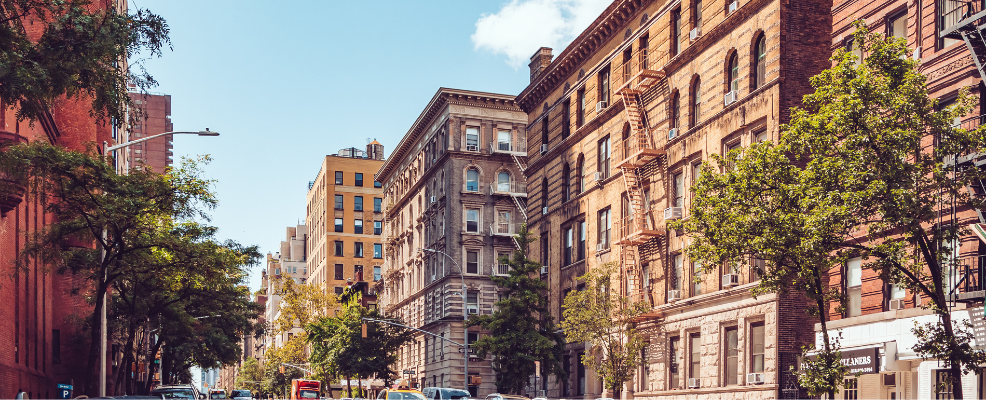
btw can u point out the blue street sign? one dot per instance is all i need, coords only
(64, 391)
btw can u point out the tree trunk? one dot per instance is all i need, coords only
(150, 360)
(92, 383)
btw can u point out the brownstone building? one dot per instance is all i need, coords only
(454, 186)
(155, 119)
(618, 124)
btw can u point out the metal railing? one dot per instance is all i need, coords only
(636, 142)
(641, 60)
(511, 188)
(954, 11)
(517, 145)
(630, 225)
(501, 269)
(505, 228)
(964, 276)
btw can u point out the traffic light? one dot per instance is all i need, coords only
(364, 330)
(281, 369)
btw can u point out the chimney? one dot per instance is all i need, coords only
(540, 61)
(374, 150)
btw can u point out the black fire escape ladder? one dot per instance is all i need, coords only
(970, 30)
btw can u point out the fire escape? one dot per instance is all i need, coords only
(633, 153)
(516, 189)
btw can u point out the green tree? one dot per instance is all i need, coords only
(605, 322)
(851, 177)
(300, 304)
(292, 352)
(78, 49)
(521, 328)
(250, 375)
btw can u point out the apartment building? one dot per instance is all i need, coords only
(878, 320)
(155, 119)
(346, 246)
(454, 186)
(619, 123)
(289, 263)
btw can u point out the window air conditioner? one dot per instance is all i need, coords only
(473, 310)
(470, 147)
(672, 213)
(599, 247)
(674, 295)
(694, 383)
(732, 7)
(434, 199)
(694, 34)
(600, 106)
(897, 304)
(755, 378)
(598, 176)
(544, 270)
(544, 149)
(730, 280)
(730, 97)
(672, 133)
(544, 210)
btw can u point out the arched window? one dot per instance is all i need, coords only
(503, 181)
(580, 174)
(566, 180)
(758, 74)
(675, 111)
(472, 180)
(732, 74)
(695, 110)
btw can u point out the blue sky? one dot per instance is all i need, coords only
(287, 85)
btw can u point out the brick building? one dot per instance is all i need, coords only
(155, 119)
(289, 263)
(346, 246)
(618, 124)
(454, 185)
(879, 316)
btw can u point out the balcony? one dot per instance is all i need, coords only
(639, 73)
(501, 269)
(632, 230)
(506, 229)
(518, 147)
(636, 150)
(965, 282)
(517, 189)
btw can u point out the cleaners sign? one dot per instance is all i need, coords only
(863, 361)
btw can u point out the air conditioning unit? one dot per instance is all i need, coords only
(732, 7)
(433, 276)
(544, 210)
(674, 295)
(601, 106)
(598, 176)
(730, 97)
(755, 378)
(694, 34)
(470, 147)
(544, 270)
(672, 133)
(694, 383)
(672, 213)
(473, 310)
(730, 280)
(544, 149)
(434, 199)
(897, 304)
(599, 247)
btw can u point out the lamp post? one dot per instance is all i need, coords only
(102, 314)
(465, 316)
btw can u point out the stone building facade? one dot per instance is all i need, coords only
(619, 123)
(155, 119)
(454, 185)
(289, 263)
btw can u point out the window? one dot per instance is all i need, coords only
(472, 262)
(580, 254)
(472, 180)
(338, 291)
(734, 145)
(338, 248)
(358, 226)
(580, 174)
(378, 250)
(732, 74)
(339, 269)
(854, 48)
(604, 85)
(357, 203)
(759, 72)
(676, 272)
(679, 190)
(674, 353)
(675, 111)
(566, 108)
(338, 224)
(580, 112)
(897, 25)
(338, 177)
(605, 224)
(850, 389)
(696, 278)
(943, 385)
(950, 12)
(357, 272)
(566, 183)
(695, 111)
(503, 140)
(569, 244)
(731, 341)
(359, 179)
(472, 220)
(756, 347)
(604, 154)
(376, 273)
(503, 182)
(377, 227)
(697, 13)
(695, 360)
(544, 126)
(472, 304)
(472, 138)
(503, 222)
(675, 31)
(358, 249)
(339, 202)
(760, 136)
(854, 285)
(757, 268)
(377, 184)
(377, 204)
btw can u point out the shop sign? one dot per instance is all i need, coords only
(862, 361)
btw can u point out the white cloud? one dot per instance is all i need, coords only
(523, 26)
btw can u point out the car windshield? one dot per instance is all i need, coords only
(218, 395)
(456, 394)
(308, 394)
(240, 393)
(174, 394)
(405, 396)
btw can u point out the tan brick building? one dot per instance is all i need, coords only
(454, 185)
(618, 124)
(345, 219)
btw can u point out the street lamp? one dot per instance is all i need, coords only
(102, 315)
(465, 316)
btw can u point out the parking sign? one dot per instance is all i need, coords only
(64, 391)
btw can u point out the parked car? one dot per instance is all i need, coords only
(217, 394)
(400, 394)
(241, 394)
(177, 392)
(437, 393)
(498, 396)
